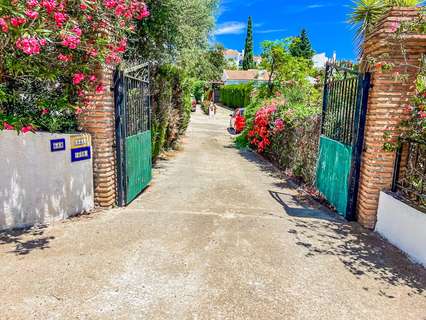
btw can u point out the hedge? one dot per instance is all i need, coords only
(236, 95)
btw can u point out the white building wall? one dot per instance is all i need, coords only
(38, 186)
(403, 226)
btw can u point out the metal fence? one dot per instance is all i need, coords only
(342, 100)
(409, 180)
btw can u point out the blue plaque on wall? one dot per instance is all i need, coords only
(80, 154)
(57, 145)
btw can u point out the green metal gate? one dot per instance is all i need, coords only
(133, 132)
(342, 137)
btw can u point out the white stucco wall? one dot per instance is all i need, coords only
(38, 186)
(403, 226)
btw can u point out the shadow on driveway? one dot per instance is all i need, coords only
(323, 233)
(37, 240)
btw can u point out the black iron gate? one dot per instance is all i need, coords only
(133, 132)
(342, 136)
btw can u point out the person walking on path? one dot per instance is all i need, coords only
(212, 111)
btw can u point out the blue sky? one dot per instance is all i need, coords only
(324, 20)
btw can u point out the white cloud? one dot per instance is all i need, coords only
(231, 27)
(270, 31)
(314, 6)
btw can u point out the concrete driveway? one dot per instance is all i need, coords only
(218, 235)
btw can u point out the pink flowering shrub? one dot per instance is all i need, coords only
(49, 53)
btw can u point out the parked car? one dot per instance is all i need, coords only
(193, 105)
(237, 121)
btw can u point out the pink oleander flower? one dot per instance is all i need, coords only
(7, 126)
(120, 9)
(78, 110)
(394, 26)
(31, 14)
(44, 111)
(122, 45)
(17, 21)
(77, 31)
(279, 124)
(110, 4)
(93, 52)
(49, 5)
(100, 89)
(92, 78)
(71, 42)
(78, 78)
(144, 13)
(112, 58)
(60, 18)
(27, 129)
(83, 6)
(42, 42)
(64, 57)
(3, 25)
(32, 3)
(29, 45)
(422, 114)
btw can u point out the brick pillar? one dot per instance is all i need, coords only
(99, 121)
(387, 99)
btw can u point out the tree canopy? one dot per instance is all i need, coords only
(176, 32)
(283, 66)
(301, 46)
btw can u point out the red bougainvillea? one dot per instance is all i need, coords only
(240, 123)
(265, 125)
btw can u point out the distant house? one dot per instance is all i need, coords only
(234, 56)
(321, 59)
(244, 76)
(257, 60)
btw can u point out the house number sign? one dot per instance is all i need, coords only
(80, 141)
(80, 154)
(57, 145)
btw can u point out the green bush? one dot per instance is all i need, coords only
(236, 95)
(171, 107)
(198, 90)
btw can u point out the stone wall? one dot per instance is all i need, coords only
(99, 121)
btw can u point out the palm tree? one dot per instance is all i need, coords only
(366, 14)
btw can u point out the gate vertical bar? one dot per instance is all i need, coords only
(358, 143)
(119, 123)
(325, 97)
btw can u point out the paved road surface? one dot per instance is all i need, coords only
(219, 235)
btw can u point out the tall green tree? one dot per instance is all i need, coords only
(248, 62)
(301, 47)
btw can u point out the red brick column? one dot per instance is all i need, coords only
(387, 99)
(99, 121)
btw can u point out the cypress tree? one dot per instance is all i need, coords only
(248, 50)
(301, 46)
